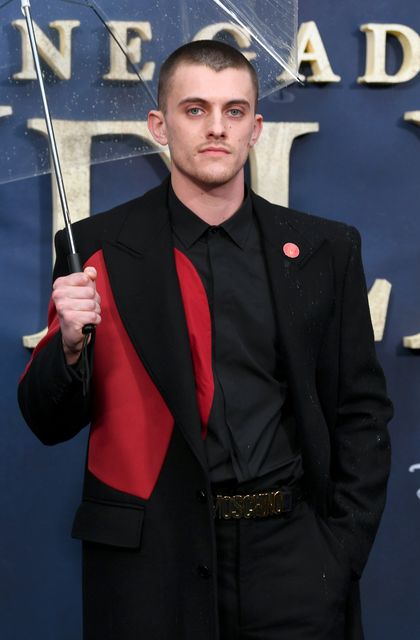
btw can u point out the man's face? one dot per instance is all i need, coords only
(209, 124)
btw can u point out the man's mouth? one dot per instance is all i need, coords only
(215, 150)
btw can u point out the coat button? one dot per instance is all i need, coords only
(203, 571)
(202, 496)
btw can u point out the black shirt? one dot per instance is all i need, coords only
(251, 430)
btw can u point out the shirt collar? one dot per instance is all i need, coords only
(189, 227)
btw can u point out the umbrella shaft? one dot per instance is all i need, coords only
(48, 121)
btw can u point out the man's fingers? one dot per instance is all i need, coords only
(75, 292)
(78, 304)
(87, 278)
(66, 304)
(72, 280)
(76, 320)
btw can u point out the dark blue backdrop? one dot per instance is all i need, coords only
(363, 168)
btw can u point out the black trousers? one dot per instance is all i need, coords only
(281, 578)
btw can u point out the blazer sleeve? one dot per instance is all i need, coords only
(50, 393)
(360, 451)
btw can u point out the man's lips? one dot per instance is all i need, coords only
(214, 150)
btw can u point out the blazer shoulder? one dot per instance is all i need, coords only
(90, 233)
(315, 228)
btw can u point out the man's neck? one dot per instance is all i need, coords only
(214, 205)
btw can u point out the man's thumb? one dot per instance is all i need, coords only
(91, 273)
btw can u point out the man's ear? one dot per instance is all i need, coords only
(258, 125)
(157, 127)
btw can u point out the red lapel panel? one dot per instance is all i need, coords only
(132, 425)
(198, 318)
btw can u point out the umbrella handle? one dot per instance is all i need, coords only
(88, 329)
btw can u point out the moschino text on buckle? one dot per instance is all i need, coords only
(253, 505)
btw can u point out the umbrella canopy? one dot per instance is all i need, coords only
(101, 60)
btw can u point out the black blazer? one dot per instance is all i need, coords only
(338, 394)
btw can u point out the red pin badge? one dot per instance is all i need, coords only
(291, 250)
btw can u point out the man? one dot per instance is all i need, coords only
(238, 452)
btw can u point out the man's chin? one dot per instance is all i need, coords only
(214, 179)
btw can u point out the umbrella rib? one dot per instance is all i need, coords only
(267, 47)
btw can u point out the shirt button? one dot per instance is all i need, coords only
(202, 496)
(213, 229)
(203, 571)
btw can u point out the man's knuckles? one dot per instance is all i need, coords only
(73, 293)
(73, 280)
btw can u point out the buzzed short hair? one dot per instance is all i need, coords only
(211, 53)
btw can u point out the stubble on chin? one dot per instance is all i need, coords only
(214, 179)
(215, 175)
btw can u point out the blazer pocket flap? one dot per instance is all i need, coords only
(113, 524)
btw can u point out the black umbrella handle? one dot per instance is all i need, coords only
(75, 266)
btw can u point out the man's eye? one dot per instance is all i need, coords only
(235, 112)
(195, 111)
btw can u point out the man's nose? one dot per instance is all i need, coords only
(216, 125)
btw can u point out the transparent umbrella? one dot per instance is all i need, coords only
(100, 63)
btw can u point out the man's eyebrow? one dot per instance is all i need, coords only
(197, 99)
(240, 101)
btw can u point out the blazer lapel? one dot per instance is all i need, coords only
(303, 293)
(285, 272)
(141, 267)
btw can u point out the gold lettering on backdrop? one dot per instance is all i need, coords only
(379, 296)
(58, 59)
(412, 116)
(5, 111)
(240, 35)
(30, 342)
(312, 51)
(376, 42)
(118, 63)
(269, 160)
(412, 342)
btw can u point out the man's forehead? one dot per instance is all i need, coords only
(191, 79)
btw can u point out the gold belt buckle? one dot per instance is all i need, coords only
(252, 505)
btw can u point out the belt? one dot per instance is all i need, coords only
(263, 504)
